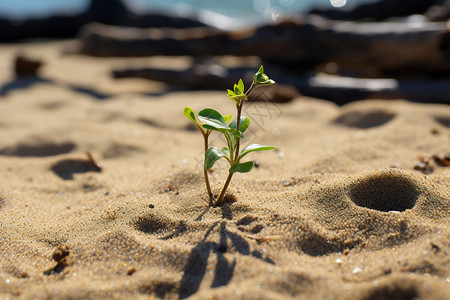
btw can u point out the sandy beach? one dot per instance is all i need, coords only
(337, 211)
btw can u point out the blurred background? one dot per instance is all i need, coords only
(229, 14)
(338, 50)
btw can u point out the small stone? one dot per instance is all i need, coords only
(60, 253)
(131, 271)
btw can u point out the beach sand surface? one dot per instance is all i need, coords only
(336, 211)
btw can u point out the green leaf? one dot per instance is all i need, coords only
(212, 155)
(242, 168)
(261, 70)
(232, 96)
(261, 79)
(241, 86)
(231, 141)
(227, 118)
(236, 90)
(237, 134)
(267, 82)
(212, 119)
(245, 122)
(226, 151)
(189, 113)
(238, 94)
(254, 147)
(238, 98)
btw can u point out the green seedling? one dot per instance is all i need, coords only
(210, 120)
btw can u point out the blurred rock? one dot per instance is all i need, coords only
(439, 12)
(298, 45)
(211, 77)
(342, 90)
(279, 93)
(116, 12)
(377, 11)
(339, 89)
(24, 66)
(112, 12)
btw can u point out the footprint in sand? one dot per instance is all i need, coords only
(152, 224)
(115, 150)
(443, 120)
(364, 119)
(38, 148)
(375, 210)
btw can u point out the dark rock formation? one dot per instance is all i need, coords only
(379, 10)
(338, 89)
(112, 12)
(364, 49)
(211, 77)
(439, 12)
(24, 66)
(115, 12)
(342, 90)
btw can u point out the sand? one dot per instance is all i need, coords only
(337, 211)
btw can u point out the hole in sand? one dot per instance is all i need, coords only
(116, 150)
(364, 119)
(155, 224)
(393, 291)
(38, 149)
(385, 191)
(443, 120)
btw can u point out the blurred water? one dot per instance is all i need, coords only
(26, 8)
(230, 13)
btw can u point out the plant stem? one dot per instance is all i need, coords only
(220, 199)
(205, 172)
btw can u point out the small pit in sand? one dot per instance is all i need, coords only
(385, 191)
(364, 119)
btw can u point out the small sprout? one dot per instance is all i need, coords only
(262, 79)
(238, 94)
(232, 130)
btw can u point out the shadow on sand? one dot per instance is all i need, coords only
(229, 242)
(29, 81)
